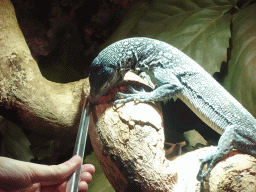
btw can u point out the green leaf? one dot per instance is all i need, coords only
(15, 143)
(203, 35)
(241, 79)
(42, 151)
(201, 29)
(99, 181)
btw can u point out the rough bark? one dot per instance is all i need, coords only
(235, 173)
(26, 97)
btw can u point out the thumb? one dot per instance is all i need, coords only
(54, 174)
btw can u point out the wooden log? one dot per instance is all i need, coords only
(26, 97)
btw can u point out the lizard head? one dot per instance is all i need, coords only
(103, 75)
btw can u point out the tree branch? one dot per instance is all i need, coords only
(26, 97)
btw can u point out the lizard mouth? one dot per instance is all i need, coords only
(94, 97)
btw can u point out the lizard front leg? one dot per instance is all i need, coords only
(169, 87)
(159, 94)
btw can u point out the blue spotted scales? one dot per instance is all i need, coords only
(175, 74)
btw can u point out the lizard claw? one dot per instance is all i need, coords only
(124, 98)
(134, 91)
(136, 96)
(208, 160)
(201, 177)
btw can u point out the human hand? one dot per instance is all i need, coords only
(30, 177)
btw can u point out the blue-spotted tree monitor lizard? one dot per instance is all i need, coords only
(176, 74)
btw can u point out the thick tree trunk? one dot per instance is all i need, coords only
(26, 97)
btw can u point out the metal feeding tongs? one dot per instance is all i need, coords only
(72, 185)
